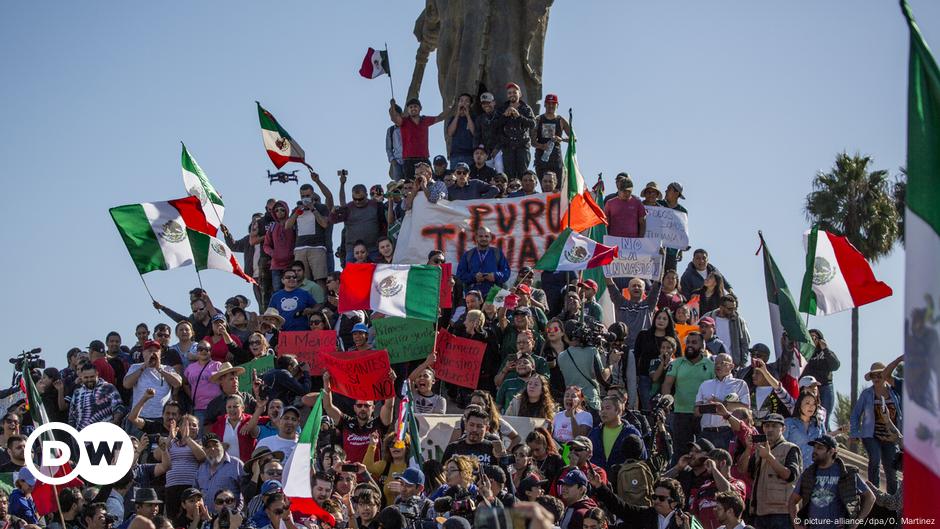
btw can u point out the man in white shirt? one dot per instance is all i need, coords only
(286, 438)
(151, 374)
(715, 428)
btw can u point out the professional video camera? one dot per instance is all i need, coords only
(29, 359)
(590, 333)
(458, 502)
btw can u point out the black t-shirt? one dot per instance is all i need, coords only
(10, 466)
(356, 437)
(483, 451)
(485, 173)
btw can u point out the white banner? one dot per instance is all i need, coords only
(667, 225)
(635, 258)
(523, 228)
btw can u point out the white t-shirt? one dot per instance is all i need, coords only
(723, 331)
(151, 378)
(278, 444)
(561, 425)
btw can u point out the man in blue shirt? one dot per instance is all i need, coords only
(21, 499)
(293, 303)
(484, 266)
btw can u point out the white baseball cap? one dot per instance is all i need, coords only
(808, 381)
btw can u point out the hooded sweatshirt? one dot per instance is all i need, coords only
(279, 242)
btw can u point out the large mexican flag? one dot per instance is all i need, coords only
(198, 185)
(922, 289)
(155, 232)
(279, 144)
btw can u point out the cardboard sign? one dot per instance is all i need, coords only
(261, 365)
(307, 346)
(361, 375)
(635, 258)
(667, 225)
(458, 359)
(405, 339)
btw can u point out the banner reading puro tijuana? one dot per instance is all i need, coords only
(523, 227)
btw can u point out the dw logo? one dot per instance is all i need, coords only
(105, 453)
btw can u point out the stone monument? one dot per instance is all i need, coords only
(482, 43)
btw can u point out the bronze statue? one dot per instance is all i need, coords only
(482, 42)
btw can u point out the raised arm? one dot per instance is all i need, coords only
(331, 410)
(327, 194)
(393, 113)
(134, 417)
(342, 188)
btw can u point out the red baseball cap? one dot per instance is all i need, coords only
(512, 85)
(151, 344)
(590, 283)
(551, 98)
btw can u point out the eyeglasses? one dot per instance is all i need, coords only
(659, 497)
(288, 278)
(460, 172)
(437, 261)
(162, 335)
(225, 501)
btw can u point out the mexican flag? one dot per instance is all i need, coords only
(375, 64)
(785, 317)
(406, 291)
(497, 296)
(578, 209)
(280, 146)
(198, 185)
(573, 251)
(922, 285)
(155, 232)
(837, 275)
(210, 252)
(297, 468)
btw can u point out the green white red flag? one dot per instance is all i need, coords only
(578, 209)
(297, 468)
(785, 318)
(921, 422)
(837, 275)
(198, 185)
(279, 144)
(210, 252)
(375, 64)
(407, 291)
(572, 251)
(155, 233)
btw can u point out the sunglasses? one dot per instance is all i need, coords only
(659, 497)
(437, 261)
(202, 348)
(224, 501)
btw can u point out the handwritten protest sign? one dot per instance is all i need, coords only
(667, 225)
(261, 365)
(458, 360)
(636, 258)
(405, 339)
(361, 375)
(307, 346)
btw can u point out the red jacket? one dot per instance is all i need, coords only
(246, 443)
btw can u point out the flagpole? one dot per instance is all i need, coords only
(572, 141)
(146, 288)
(390, 87)
(199, 277)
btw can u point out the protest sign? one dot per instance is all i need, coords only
(307, 346)
(523, 228)
(667, 225)
(636, 258)
(361, 375)
(261, 365)
(405, 339)
(458, 360)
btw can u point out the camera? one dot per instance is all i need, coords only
(110, 520)
(29, 360)
(507, 460)
(591, 333)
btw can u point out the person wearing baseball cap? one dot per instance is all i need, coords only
(485, 134)
(550, 130)
(828, 489)
(626, 215)
(774, 468)
(515, 121)
(414, 132)
(193, 508)
(480, 169)
(21, 502)
(574, 488)
(360, 337)
(588, 289)
(465, 188)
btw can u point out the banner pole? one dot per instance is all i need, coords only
(390, 87)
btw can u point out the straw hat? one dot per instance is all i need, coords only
(877, 367)
(272, 316)
(225, 369)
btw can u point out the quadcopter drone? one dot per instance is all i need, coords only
(282, 177)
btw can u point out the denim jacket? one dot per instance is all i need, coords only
(799, 435)
(863, 414)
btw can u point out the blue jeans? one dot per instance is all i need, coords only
(276, 283)
(880, 452)
(720, 438)
(827, 398)
(457, 158)
(396, 171)
(644, 385)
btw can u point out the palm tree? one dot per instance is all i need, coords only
(854, 201)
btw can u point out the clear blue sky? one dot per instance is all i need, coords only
(742, 102)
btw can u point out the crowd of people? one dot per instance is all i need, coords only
(672, 412)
